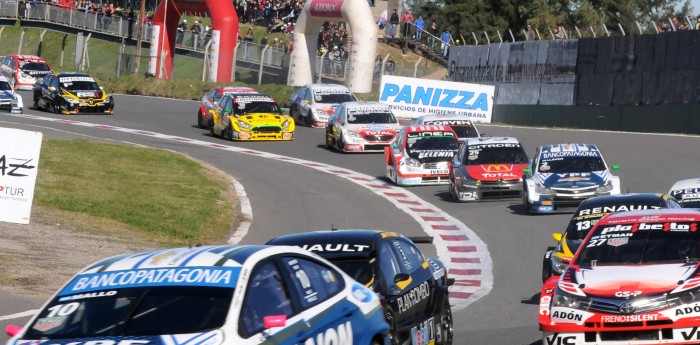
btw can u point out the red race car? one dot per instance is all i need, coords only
(419, 155)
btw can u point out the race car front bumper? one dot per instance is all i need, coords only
(489, 190)
(261, 136)
(686, 335)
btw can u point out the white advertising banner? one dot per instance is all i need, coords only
(214, 50)
(413, 97)
(19, 162)
(155, 48)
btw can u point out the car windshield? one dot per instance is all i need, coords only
(613, 244)
(358, 268)
(81, 85)
(5, 86)
(586, 217)
(241, 108)
(563, 165)
(371, 118)
(139, 311)
(464, 131)
(431, 148)
(35, 66)
(328, 98)
(495, 153)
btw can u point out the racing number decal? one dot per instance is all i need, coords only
(584, 225)
(596, 242)
(63, 309)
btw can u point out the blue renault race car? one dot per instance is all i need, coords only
(210, 295)
(563, 175)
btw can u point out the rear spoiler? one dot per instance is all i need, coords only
(421, 239)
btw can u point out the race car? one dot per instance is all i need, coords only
(71, 93)
(23, 71)
(635, 280)
(250, 117)
(210, 295)
(487, 167)
(461, 124)
(413, 288)
(687, 192)
(314, 103)
(556, 259)
(211, 100)
(361, 127)
(420, 155)
(563, 175)
(9, 99)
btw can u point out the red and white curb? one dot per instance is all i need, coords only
(464, 253)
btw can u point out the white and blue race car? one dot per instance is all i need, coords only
(9, 99)
(687, 192)
(210, 295)
(563, 175)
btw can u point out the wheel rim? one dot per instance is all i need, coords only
(392, 337)
(446, 324)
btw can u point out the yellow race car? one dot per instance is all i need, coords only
(250, 117)
(556, 259)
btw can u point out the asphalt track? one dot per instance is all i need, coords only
(290, 193)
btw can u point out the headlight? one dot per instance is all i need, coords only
(605, 188)
(563, 299)
(25, 75)
(412, 162)
(468, 180)
(558, 265)
(540, 189)
(14, 101)
(109, 99)
(243, 125)
(71, 100)
(353, 134)
(286, 124)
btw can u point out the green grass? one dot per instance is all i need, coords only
(166, 194)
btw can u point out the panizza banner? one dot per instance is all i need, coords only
(413, 97)
(19, 163)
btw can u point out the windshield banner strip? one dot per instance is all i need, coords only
(181, 276)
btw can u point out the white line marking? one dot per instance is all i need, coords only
(474, 276)
(19, 315)
(246, 214)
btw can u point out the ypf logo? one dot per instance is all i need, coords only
(497, 167)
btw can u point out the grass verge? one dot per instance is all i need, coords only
(120, 189)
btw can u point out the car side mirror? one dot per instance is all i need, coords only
(13, 330)
(615, 167)
(557, 236)
(401, 277)
(102, 88)
(274, 321)
(526, 170)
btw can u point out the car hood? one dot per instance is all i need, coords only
(496, 172)
(632, 280)
(326, 107)
(574, 180)
(263, 119)
(374, 129)
(7, 94)
(86, 94)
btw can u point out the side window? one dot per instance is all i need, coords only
(218, 95)
(55, 82)
(388, 266)
(48, 79)
(314, 281)
(307, 94)
(12, 63)
(265, 295)
(228, 105)
(212, 94)
(409, 257)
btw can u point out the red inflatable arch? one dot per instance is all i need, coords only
(224, 35)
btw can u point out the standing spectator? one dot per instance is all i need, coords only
(263, 41)
(559, 33)
(109, 12)
(334, 57)
(446, 37)
(420, 25)
(530, 35)
(196, 30)
(407, 19)
(180, 35)
(132, 17)
(434, 32)
(393, 22)
(248, 40)
(684, 26)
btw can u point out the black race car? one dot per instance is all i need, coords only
(71, 93)
(556, 259)
(413, 288)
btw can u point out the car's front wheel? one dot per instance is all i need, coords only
(36, 103)
(453, 192)
(200, 119)
(526, 202)
(446, 330)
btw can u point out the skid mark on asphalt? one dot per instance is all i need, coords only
(464, 253)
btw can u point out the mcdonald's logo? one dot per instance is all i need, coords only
(497, 167)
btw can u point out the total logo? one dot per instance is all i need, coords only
(627, 294)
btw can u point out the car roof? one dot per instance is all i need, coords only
(364, 104)
(351, 237)
(569, 147)
(26, 57)
(205, 256)
(686, 184)
(624, 199)
(428, 128)
(237, 89)
(490, 140)
(329, 86)
(653, 216)
(436, 117)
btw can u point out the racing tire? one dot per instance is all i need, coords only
(199, 119)
(392, 337)
(526, 203)
(228, 134)
(445, 324)
(453, 192)
(328, 142)
(36, 103)
(55, 109)
(211, 128)
(374, 342)
(309, 120)
(340, 144)
(547, 264)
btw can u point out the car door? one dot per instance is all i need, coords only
(306, 102)
(316, 287)
(397, 311)
(422, 283)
